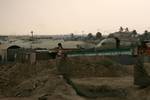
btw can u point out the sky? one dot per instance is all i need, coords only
(49, 17)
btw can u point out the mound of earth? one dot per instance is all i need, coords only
(81, 67)
(34, 81)
(42, 81)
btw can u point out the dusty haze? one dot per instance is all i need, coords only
(66, 16)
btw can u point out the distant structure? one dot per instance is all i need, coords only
(3, 38)
(107, 43)
(126, 37)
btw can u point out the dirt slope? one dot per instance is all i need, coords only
(34, 81)
(90, 75)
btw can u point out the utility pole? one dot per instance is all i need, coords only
(82, 34)
(31, 38)
(32, 35)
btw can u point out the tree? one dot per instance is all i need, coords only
(134, 33)
(120, 29)
(72, 35)
(90, 36)
(98, 35)
(126, 29)
(111, 36)
(145, 33)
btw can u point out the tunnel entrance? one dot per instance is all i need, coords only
(12, 52)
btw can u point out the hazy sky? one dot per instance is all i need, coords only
(66, 16)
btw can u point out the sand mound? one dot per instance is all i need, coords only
(39, 80)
